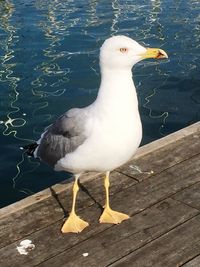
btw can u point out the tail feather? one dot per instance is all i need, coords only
(30, 149)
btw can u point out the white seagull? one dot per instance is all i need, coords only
(104, 135)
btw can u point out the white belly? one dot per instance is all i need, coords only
(108, 147)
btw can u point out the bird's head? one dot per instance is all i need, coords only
(122, 52)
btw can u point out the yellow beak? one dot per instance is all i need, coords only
(154, 53)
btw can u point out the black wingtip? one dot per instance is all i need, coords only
(30, 149)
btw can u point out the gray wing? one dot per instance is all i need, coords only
(63, 136)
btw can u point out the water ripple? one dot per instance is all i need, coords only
(49, 54)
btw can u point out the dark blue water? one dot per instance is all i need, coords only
(49, 63)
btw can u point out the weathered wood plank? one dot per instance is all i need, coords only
(43, 195)
(163, 158)
(193, 263)
(166, 140)
(132, 200)
(137, 231)
(164, 184)
(142, 228)
(190, 196)
(49, 210)
(171, 249)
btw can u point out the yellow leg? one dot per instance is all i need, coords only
(74, 224)
(109, 215)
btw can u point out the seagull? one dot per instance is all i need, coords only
(104, 135)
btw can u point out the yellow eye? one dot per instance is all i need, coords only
(123, 49)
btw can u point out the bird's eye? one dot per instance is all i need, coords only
(123, 49)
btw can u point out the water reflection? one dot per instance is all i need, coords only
(49, 63)
(6, 71)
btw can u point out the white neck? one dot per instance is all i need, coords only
(117, 89)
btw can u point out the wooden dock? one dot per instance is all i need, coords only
(159, 189)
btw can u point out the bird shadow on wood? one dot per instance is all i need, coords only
(85, 190)
(55, 196)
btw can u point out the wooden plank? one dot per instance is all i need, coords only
(193, 263)
(190, 196)
(164, 184)
(50, 210)
(43, 195)
(166, 140)
(130, 235)
(172, 249)
(113, 244)
(132, 200)
(163, 158)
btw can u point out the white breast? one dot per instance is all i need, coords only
(107, 148)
